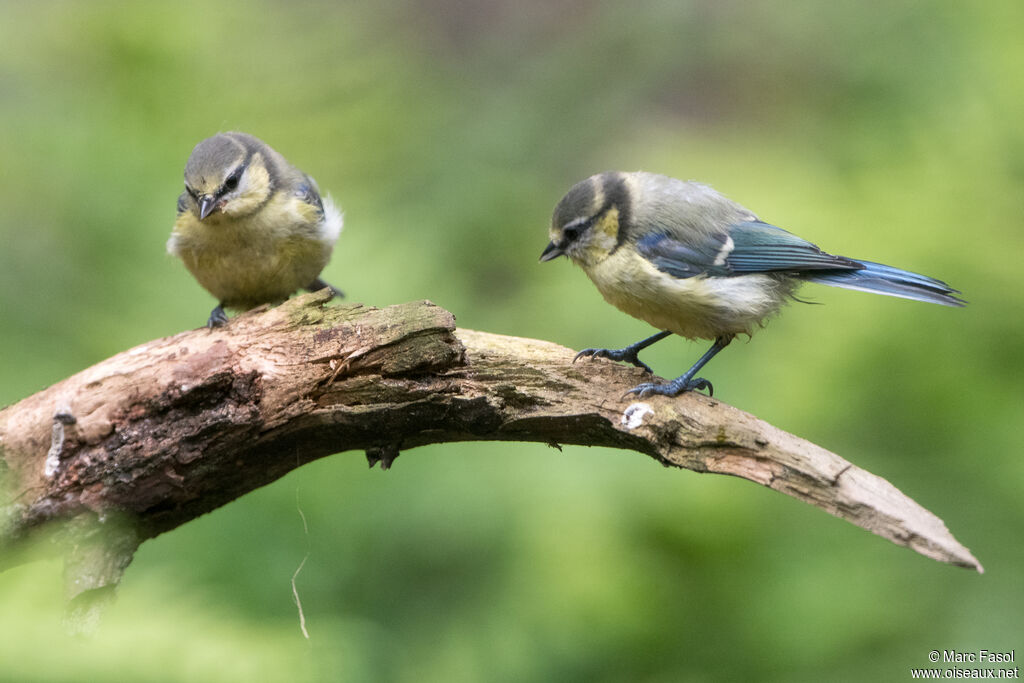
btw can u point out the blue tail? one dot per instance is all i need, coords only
(882, 279)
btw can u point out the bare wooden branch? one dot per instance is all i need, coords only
(177, 427)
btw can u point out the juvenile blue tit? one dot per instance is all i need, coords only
(251, 227)
(689, 261)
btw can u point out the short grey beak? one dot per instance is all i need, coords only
(207, 205)
(551, 251)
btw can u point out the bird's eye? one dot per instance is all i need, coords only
(232, 182)
(573, 230)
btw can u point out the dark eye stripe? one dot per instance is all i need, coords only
(231, 182)
(573, 229)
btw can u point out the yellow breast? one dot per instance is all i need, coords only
(260, 258)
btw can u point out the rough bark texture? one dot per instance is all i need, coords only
(162, 433)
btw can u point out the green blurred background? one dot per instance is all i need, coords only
(448, 130)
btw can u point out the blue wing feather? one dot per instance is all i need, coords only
(882, 279)
(760, 247)
(749, 247)
(671, 256)
(308, 193)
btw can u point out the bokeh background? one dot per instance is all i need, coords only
(448, 130)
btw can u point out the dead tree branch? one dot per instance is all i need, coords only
(158, 435)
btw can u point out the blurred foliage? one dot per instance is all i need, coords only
(448, 130)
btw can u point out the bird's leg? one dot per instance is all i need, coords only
(318, 284)
(628, 354)
(686, 381)
(217, 317)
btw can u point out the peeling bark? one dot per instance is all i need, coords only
(174, 428)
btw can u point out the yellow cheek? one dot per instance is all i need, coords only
(254, 195)
(609, 224)
(603, 239)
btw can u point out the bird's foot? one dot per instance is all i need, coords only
(319, 284)
(628, 354)
(674, 388)
(217, 318)
(335, 292)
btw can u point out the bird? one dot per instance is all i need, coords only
(691, 262)
(251, 228)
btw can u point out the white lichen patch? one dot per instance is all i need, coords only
(56, 445)
(634, 415)
(61, 417)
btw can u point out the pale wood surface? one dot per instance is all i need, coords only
(155, 436)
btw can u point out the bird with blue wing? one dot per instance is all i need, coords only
(689, 261)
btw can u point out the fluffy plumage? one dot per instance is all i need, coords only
(251, 228)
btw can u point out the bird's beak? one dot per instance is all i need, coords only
(551, 251)
(207, 205)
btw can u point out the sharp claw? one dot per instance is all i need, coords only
(641, 390)
(699, 384)
(592, 353)
(616, 355)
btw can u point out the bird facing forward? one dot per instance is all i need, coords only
(251, 228)
(689, 261)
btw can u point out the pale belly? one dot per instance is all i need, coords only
(696, 308)
(243, 270)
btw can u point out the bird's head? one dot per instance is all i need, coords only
(588, 223)
(225, 176)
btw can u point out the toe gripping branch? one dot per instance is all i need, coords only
(686, 381)
(630, 354)
(217, 317)
(683, 383)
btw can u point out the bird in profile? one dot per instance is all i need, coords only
(689, 261)
(251, 228)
